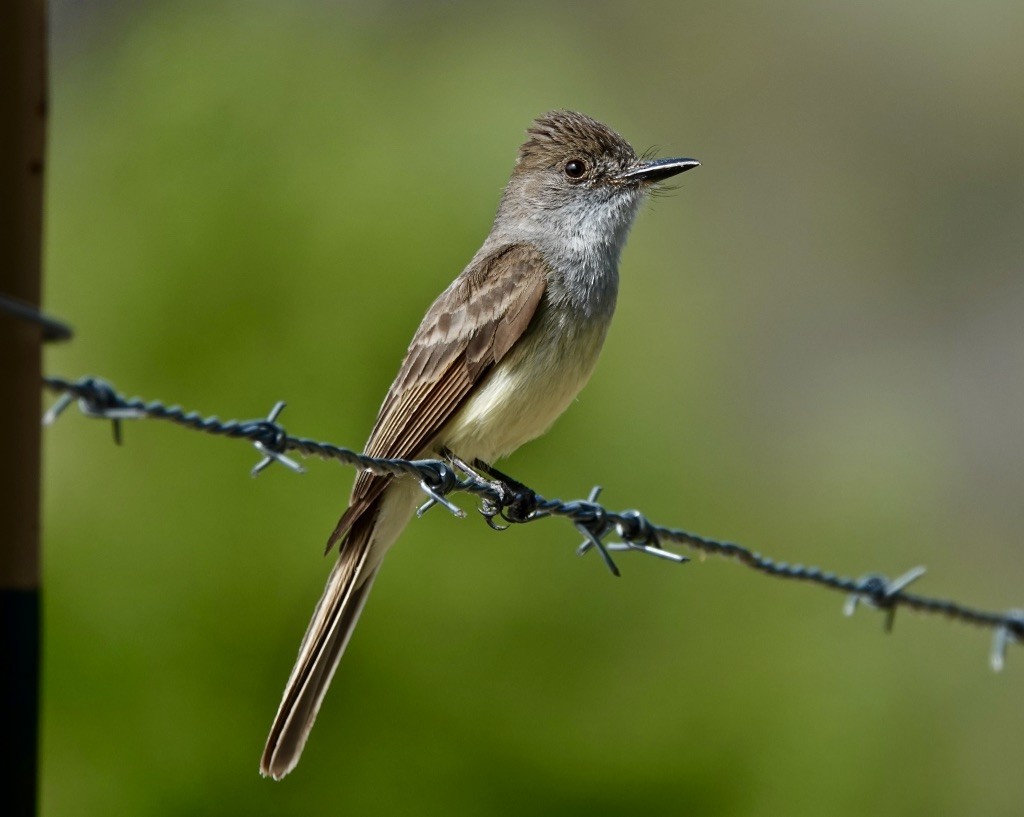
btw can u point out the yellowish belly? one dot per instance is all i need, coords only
(524, 394)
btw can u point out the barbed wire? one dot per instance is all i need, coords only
(504, 498)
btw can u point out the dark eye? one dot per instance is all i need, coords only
(575, 168)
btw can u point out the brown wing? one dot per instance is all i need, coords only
(469, 329)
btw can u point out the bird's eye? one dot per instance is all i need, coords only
(575, 168)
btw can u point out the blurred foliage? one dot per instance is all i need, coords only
(817, 353)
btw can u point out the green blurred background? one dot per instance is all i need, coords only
(818, 353)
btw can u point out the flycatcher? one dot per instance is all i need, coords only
(498, 357)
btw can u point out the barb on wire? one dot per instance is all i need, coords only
(502, 497)
(882, 590)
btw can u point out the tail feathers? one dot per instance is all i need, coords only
(329, 631)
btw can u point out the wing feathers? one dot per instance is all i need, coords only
(465, 333)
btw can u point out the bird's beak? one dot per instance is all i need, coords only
(657, 170)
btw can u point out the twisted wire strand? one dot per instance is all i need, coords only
(503, 498)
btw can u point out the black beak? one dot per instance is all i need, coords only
(657, 170)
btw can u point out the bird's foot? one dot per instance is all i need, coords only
(502, 495)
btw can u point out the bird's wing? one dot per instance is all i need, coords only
(468, 330)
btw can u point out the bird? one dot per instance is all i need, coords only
(497, 358)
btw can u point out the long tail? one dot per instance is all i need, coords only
(333, 621)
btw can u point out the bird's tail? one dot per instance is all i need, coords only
(329, 630)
